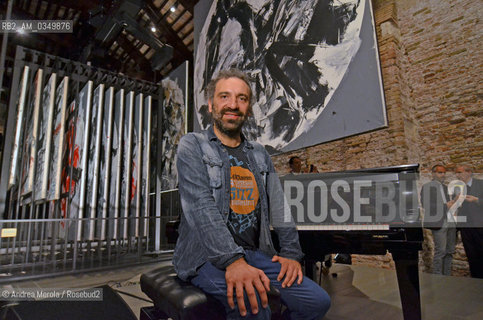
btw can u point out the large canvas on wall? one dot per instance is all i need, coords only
(174, 122)
(314, 63)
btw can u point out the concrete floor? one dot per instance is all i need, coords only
(357, 292)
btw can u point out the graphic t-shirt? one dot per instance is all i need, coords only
(244, 217)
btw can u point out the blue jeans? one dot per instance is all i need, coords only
(305, 301)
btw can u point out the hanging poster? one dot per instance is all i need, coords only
(126, 196)
(70, 165)
(174, 122)
(81, 147)
(146, 168)
(58, 128)
(30, 153)
(116, 168)
(136, 165)
(105, 160)
(44, 139)
(18, 141)
(94, 143)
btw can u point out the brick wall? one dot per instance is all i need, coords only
(431, 61)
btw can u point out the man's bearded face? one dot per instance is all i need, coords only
(230, 106)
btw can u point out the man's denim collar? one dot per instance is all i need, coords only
(212, 137)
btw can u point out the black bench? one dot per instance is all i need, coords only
(180, 300)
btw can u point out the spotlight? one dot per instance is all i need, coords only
(153, 29)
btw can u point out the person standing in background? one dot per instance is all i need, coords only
(472, 230)
(436, 202)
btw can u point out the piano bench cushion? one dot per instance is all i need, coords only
(180, 300)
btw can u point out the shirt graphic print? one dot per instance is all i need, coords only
(243, 221)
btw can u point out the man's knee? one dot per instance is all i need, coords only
(322, 304)
(316, 306)
(263, 313)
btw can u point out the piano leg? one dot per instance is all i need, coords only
(408, 281)
(309, 266)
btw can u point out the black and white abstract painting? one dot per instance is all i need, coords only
(93, 154)
(146, 168)
(58, 128)
(136, 165)
(174, 122)
(314, 63)
(80, 157)
(105, 158)
(44, 139)
(30, 151)
(116, 159)
(18, 142)
(126, 180)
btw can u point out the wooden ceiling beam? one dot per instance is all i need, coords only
(179, 17)
(83, 5)
(188, 5)
(134, 53)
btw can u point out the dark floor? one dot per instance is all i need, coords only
(357, 292)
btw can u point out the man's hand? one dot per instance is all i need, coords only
(244, 277)
(471, 198)
(291, 269)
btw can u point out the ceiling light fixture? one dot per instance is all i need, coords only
(173, 9)
(153, 29)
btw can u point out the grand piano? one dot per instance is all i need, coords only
(368, 211)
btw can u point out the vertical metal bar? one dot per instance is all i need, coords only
(42, 234)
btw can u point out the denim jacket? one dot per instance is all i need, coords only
(204, 185)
